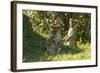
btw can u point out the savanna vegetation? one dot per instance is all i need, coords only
(36, 31)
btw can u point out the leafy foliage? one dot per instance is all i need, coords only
(43, 20)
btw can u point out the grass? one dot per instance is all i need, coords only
(35, 51)
(80, 53)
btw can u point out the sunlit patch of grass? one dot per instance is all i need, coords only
(69, 54)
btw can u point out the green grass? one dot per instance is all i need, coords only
(80, 53)
(34, 51)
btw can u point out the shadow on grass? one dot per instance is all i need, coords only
(33, 47)
(33, 43)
